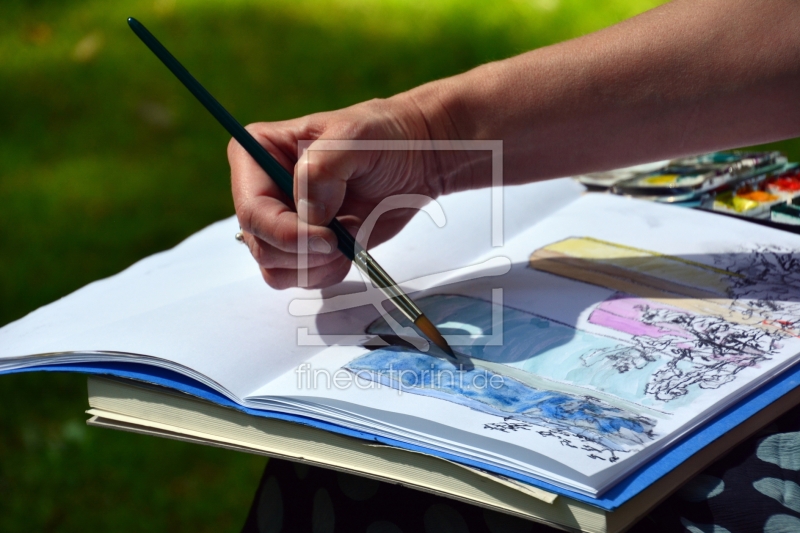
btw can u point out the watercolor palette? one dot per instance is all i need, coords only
(762, 187)
(690, 178)
(684, 179)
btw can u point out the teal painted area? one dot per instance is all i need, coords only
(567, 363)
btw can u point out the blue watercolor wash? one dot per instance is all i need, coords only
(534, 344)
(519, 344)
(485, 391)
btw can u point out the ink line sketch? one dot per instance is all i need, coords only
(672, 331)
(700, 350)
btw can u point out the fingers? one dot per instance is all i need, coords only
(317, 277)
(270, 257)
(248, 179)
(275, 223)
(280, 268)
(321, 182)
(262, 208)
(273, 230)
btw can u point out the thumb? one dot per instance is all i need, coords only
(320, 182)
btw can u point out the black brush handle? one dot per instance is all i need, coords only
(282, 177)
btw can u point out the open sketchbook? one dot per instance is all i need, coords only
(598, 332)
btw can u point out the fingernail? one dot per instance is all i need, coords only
(314, 213)
(319, 245)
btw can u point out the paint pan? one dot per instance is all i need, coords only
(786, 184)
(714, 158)
(756, 196)
(786, 213)
(672, 184)
(602, 181)
(758, 160)
(735, 162)
(746, 201)
(606, 180)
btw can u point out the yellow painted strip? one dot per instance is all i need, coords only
(575, 247)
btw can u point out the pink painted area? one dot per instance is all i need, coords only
(705, 340)
(624, 313)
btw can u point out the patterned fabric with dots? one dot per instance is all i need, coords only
(300, 499)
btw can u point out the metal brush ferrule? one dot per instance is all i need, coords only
(386, 284)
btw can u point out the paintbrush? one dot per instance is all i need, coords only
(347, 244)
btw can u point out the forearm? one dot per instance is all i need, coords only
(688, 77)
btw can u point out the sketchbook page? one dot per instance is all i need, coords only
(623, 325)
(200, 308)
(203, 309)
(422, 252)
(169, 276)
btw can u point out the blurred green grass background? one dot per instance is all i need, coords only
(105, 159)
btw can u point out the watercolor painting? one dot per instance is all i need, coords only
(698, 350)
(593, 416)
(671, 331)
(586, 419)
(753, 286)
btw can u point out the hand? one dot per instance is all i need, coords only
(346, 184)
